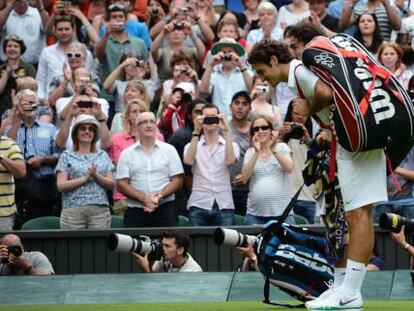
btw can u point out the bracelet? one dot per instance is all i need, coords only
(194, 134)
(243, 70)
(27, 270)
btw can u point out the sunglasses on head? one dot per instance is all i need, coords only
(262, 127)
(146, 122)
(74, 55)
(116, 7)
(13, 38)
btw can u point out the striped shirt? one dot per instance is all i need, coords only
(8, 149)
(269, 188)
(382, 17)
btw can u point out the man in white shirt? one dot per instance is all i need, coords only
(18, 18)
(211, 155)
(362, 176)
(53, 57)
(175, 256)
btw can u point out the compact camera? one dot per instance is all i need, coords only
(154, 11)
(142, 245)
(227, 57)
(118, 26)
(182, 11)
(140, 63)
(264, 89)
(296, 131)
(178, 26)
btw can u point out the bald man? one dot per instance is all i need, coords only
(15, 261)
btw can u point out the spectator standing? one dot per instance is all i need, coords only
(151, 182)
(211, 155)
(28, 263)
(53, 57)
(12, 69)
(36, 193)
(27, 22)
(240, 108)
(84, 174)
(226, 74)
(267, 165)
(12, 166)
(368, 32)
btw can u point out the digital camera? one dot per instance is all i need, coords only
(178, 26)
(227, 57)
(142, 245)
(394, 222)
(16, 250)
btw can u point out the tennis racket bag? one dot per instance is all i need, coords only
(293, 259)
(371, 108)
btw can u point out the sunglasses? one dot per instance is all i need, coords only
(146, 122)
(13, 38)
(263, 128)
(89, 128)
(116, 7)
(74, 55)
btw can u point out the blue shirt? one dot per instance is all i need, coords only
(76, 165)
(37, 141)
(135, 29)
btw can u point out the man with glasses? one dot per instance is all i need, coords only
(35, 193)
(211, 155)
(53, 57)
(150, 182)
(27, 22)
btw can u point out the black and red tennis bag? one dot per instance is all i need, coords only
(371, 108)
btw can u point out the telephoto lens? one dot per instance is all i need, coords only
(394, 222)
(230, 237)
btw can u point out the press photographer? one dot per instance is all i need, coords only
(168, 255)
(15, 261)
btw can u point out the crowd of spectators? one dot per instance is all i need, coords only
(148, 109)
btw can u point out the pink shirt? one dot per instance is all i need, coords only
(121, 141)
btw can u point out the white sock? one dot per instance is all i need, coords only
(339, 276)
(354, 277)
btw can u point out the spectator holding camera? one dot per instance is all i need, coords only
(14, 260)
(150, 183)
(27, 22)
(115, 42)
(267, 165)
(226, 74)
(130, 68)
(400, 239)
(82, 102)
(156, 11)
(175, 33)
(260, 95)
(84, 175)
(175, 256)
(211, 155)
(36, 139)
(297, 133)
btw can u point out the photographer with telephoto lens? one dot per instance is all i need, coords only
(175, 256)
(15, 261)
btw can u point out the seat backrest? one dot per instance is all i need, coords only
(117, 221)
(42, 223)
(183, 221)
(238, 220)
(300, 220)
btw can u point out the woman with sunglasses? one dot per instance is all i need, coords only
(84, 175)
(267, 164)
(12, 69)
(61, 86)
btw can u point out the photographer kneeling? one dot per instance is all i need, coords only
(175, 256)
(15, 261)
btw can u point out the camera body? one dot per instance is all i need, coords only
(264, 89)
(394, 222)
(154, 11)
(16, 250)
(182, 11)
(178, 26)
(184, 71)
(296, 131)
(118, 26)
(142, 245)
(227, 57)
(140, 63)
(230, 237)
(211, 120)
